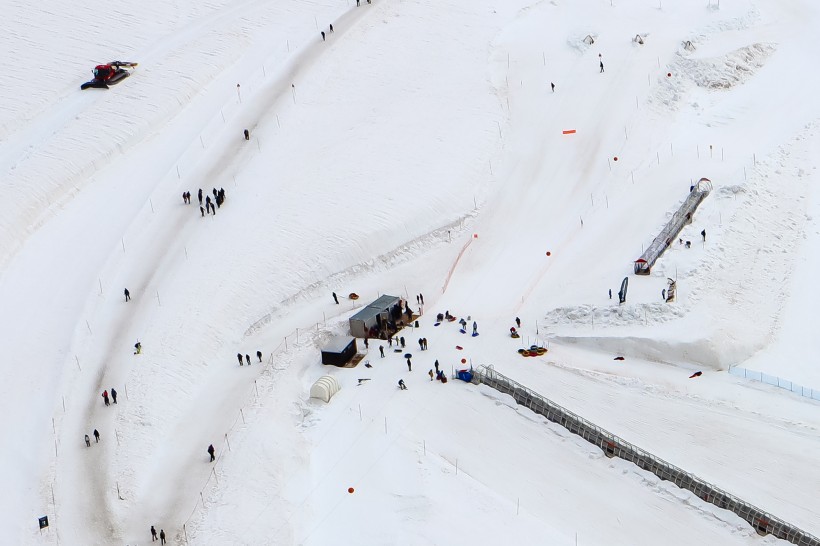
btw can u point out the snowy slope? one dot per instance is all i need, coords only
(419, 149)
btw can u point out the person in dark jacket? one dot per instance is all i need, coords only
(127, 295)
(239, 358)
(162, 536)
(105, 398)
(154, 531)
(211, 451)
(87, 441)
(402, 386)
(259, 355)
(248, 359)
(96, 435)
(114, 395)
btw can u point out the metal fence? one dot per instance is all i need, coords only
(613, 446)
(673, 227)
(814, 394)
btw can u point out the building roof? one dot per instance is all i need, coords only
(380, 305)
(337, 344)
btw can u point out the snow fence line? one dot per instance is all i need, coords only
(775, 381)
(613, 446)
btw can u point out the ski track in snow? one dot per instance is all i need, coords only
(374, 157)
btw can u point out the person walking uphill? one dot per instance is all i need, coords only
(409, 365)
(211, 451)
(127, 295)
(162, 536)
(259, 355)
(602, 66)
(154, 531)
(335, 298)
(239, 358)
(105, 397)
(114, 395)
(96, 436)
(87, 441)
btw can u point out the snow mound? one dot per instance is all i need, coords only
(727, 71)
(626, 315)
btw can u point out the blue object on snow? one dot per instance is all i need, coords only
(475, 334)
(465, 375)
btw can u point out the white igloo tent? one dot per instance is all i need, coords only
(324, 388)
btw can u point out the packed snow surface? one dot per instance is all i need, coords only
(419, 148)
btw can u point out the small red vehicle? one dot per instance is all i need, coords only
(108, 74)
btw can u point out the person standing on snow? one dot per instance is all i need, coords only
(239, 358)
(162, 536)
(114, 395)
(703, 234)
(402, 386)
(518, 322)
(553, 87)
(381, 350)
(127, 295)
(259, 355)
(475, 328)
(248, 359)
(409, 365)
(211, 451)
(87, 441)
(199, 194)
(430, 373)
(602, 66)
(96, 436)
(335, 298)
(105, 397)
(154, 531)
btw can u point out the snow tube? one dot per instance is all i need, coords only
(521, 351)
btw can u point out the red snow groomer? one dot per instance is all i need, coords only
(109, 74)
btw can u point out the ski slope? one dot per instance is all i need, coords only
(418, 149)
